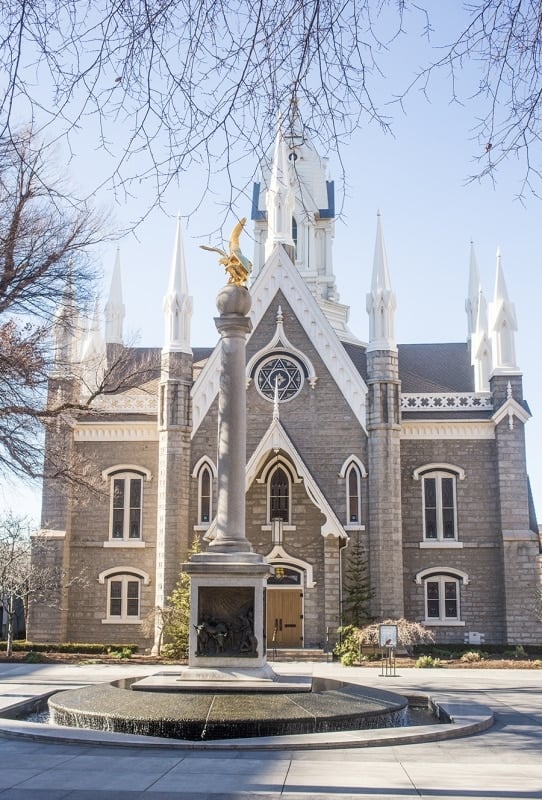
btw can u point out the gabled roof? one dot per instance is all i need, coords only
(277, 274)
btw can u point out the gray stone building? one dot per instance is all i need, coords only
(416, 451)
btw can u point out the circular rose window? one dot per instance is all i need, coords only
(280, 371)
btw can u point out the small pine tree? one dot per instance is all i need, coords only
(357, 588)
(177, 615)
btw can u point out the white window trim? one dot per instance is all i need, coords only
(203, 464)
(127, 477)
(443, 620)
(279, 555)
(443, 573)
(282, 466)
(438, 476)
(125, 574)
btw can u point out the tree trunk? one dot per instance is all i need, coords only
(10, 612)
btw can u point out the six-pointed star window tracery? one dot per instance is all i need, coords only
(285, 373)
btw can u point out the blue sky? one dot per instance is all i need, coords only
(417, 176)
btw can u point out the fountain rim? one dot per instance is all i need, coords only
(467, 719)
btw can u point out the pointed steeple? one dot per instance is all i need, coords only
(93, 352)
(177, 302)
(280, 199)
(502, 326)
(65, 329)
(381, 300)
(114, 308)
(471, 303)
(481, 347)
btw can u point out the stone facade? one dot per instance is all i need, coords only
(438, 491)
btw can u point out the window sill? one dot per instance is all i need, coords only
(284, 528)
(449, 623)
(445, 544)
(121, 621)
(353, 526)
(124, 543)
(203, 527)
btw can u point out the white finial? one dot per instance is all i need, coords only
(177, 302)
(114, 309)
(502, 326)
(276, 413)
(381, 301)
(471, 303)
(280, 199)
(93, 353)
(481, 347)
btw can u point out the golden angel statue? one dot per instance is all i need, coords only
(236, 264)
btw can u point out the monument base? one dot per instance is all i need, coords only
(227, 612)
(224, 681)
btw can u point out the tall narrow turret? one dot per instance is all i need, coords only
(471, 303)
(279, 201)
(381, 302)
(114, 308)
(65, 330)
(93, 353)
(174, 429)
(481, 347)
(384, 444)
(177, 302)
(502, 326)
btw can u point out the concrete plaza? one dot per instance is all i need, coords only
(503, 763)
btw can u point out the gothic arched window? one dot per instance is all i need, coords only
(353, 495)
(294, 234)
(205, 494)
(126, 505)
(279, 495)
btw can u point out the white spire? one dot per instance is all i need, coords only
(114, 308)
(471, 303)
(502, 326)
(65, 328)
(177, 302)
(381, 301)
(280, 199)
(481, 347)
(93, 353)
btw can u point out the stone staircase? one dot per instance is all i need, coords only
(297, 654)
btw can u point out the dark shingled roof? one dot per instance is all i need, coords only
(426, 367)
(435, 368)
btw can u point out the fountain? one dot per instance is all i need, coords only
(228, 689)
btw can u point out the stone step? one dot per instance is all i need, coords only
(297, 654)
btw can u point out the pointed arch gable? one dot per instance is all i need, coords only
(279, 273)
(352, 459)
(276, 441)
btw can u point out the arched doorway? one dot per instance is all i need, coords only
(284, 614)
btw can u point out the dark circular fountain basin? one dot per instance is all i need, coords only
(330, 706)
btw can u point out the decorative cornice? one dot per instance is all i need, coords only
(137, 402)
(419, 429)
(101, 431)
(446, 401)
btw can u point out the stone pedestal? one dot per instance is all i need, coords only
(227, 583)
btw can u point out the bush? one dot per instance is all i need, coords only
(428, 662)
(85, 648)
(34, 658)
(347, 649)
(124, 653)
(472, 657)
(408, 633)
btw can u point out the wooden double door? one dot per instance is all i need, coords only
(284, 618)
